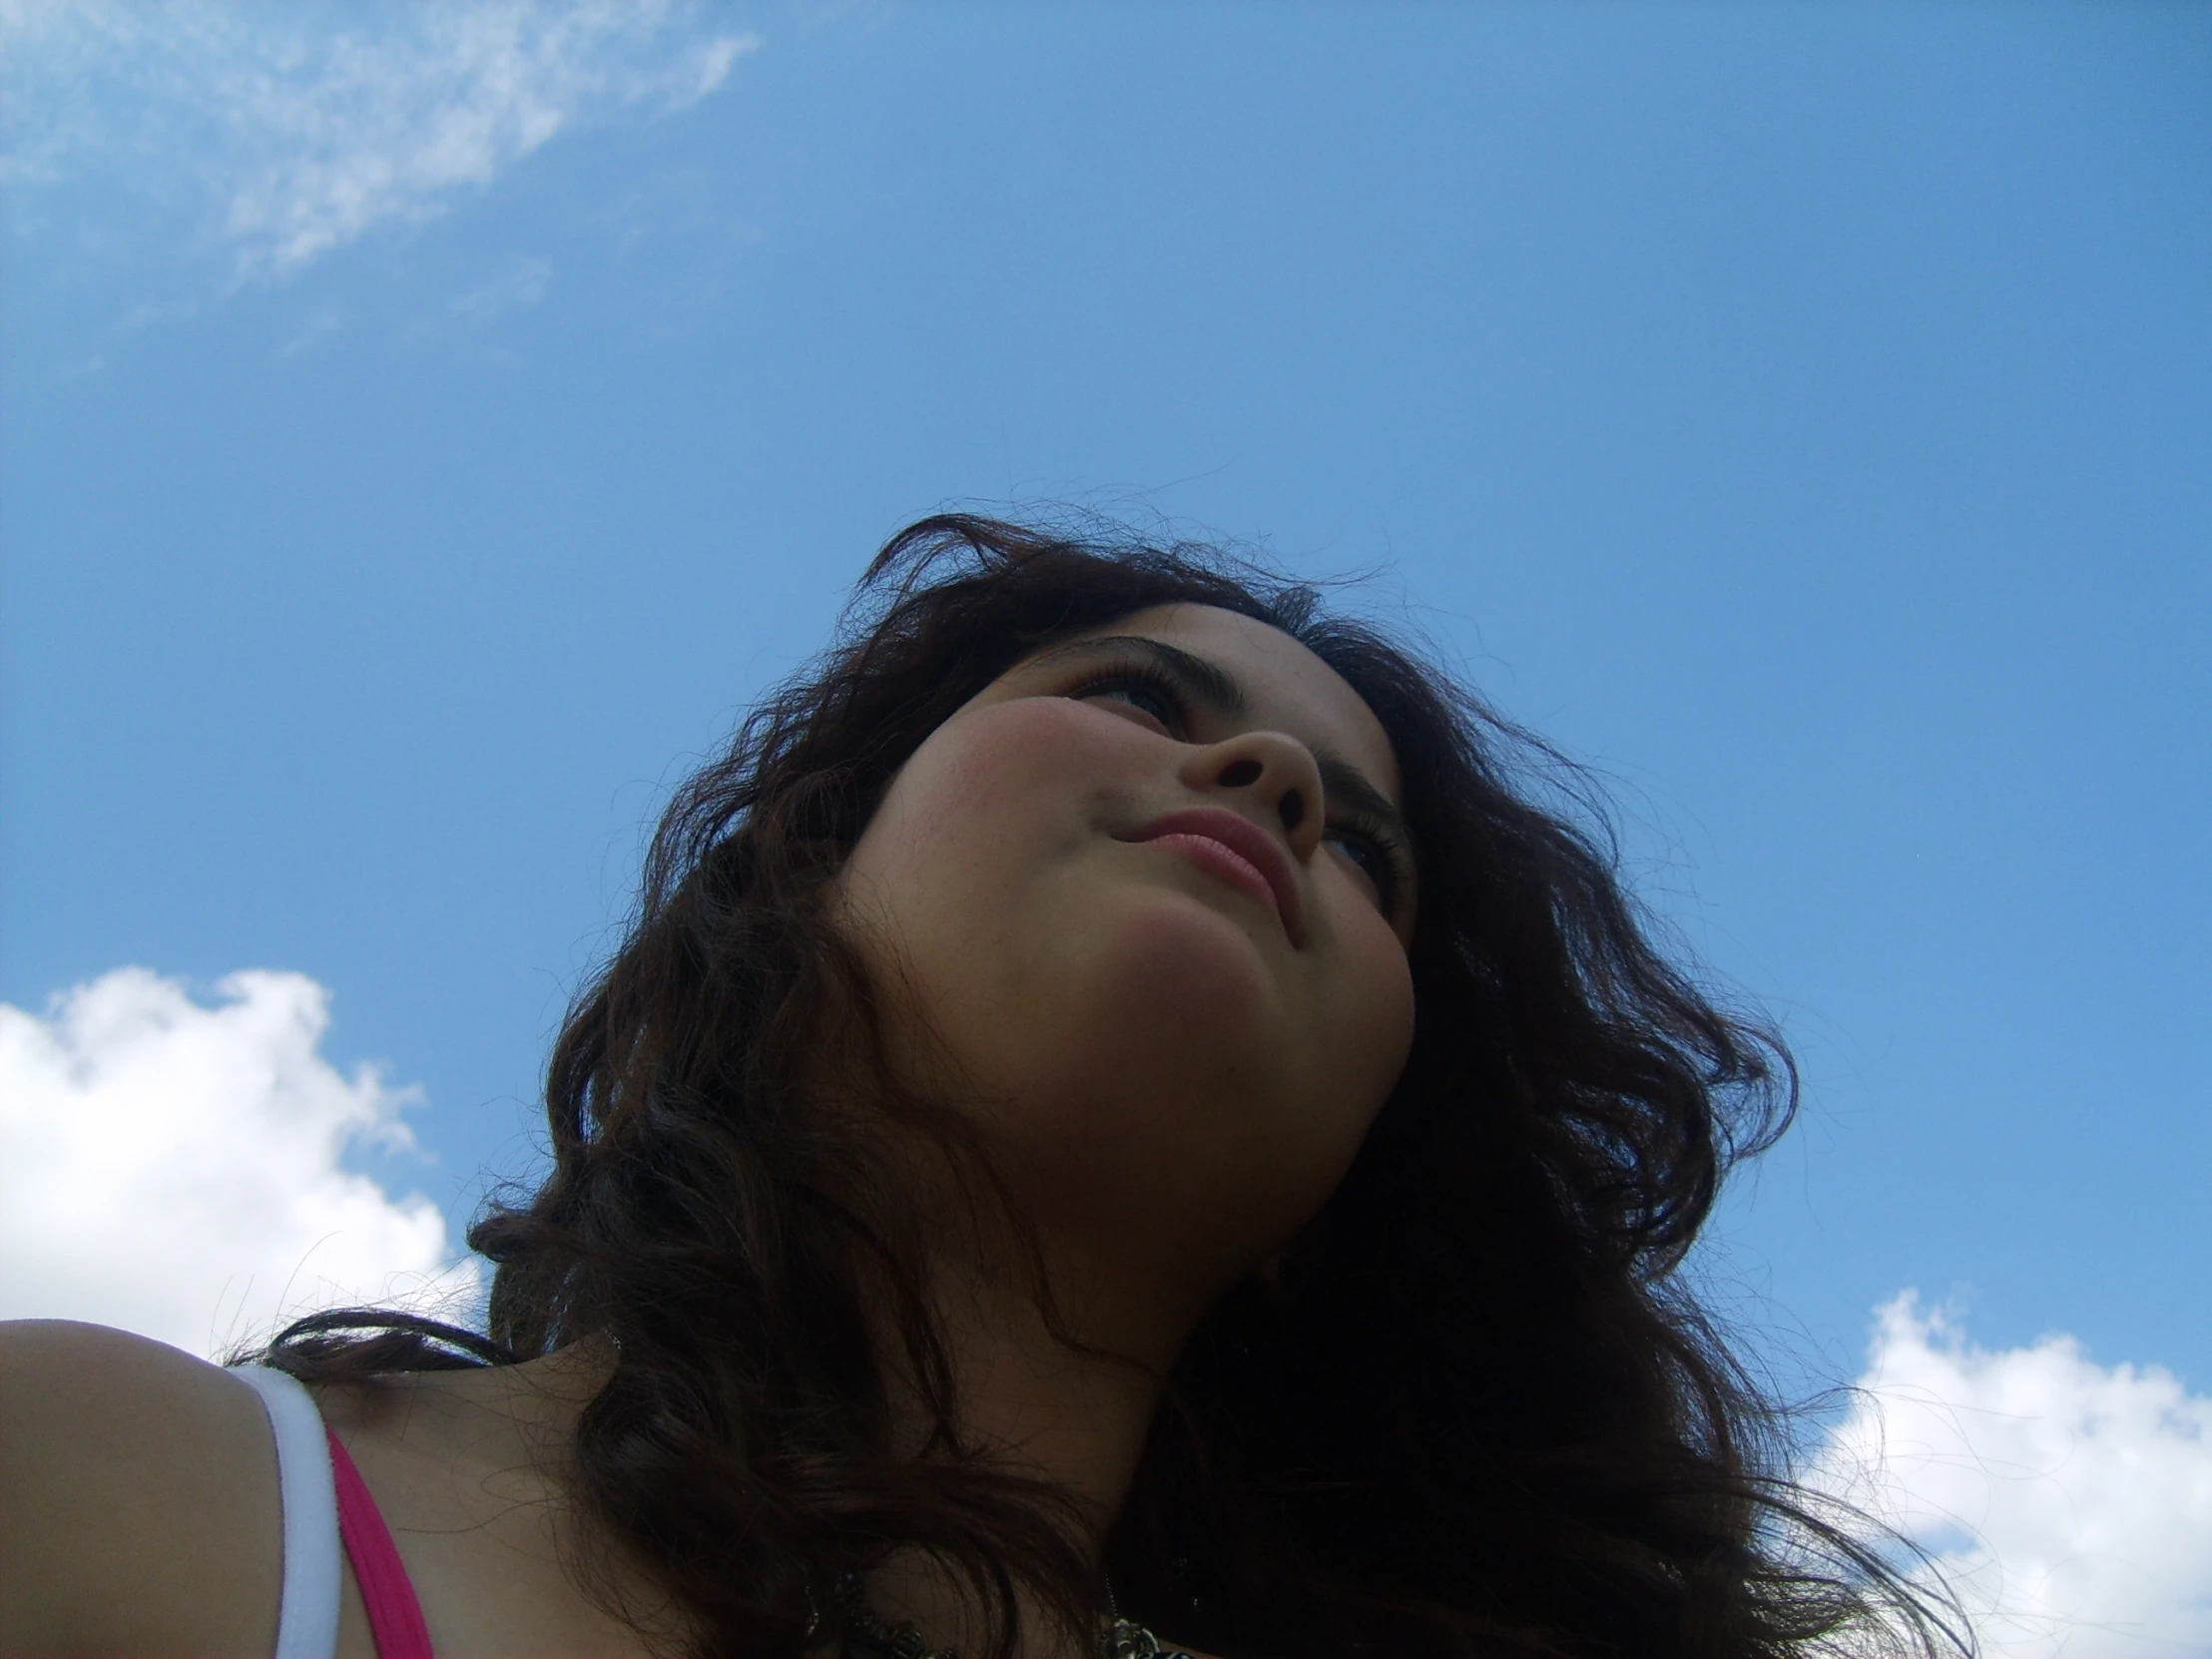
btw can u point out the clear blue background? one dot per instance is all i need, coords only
(1800, 412)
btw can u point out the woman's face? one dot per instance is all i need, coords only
(1147, 893)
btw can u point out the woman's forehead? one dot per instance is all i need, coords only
(1285, 687)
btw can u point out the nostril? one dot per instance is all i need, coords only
(1292, 809)
(1237, 773)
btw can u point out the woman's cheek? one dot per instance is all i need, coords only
(993, 769)
(952, 874)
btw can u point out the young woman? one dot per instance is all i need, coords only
(1119, 1112)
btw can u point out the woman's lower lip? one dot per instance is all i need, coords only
(1219, 859)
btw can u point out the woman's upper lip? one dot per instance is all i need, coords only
(1248, 841)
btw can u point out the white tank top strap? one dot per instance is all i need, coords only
(308, 1615)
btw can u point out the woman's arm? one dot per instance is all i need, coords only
(138, 1512)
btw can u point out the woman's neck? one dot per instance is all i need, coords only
(1070, 1408)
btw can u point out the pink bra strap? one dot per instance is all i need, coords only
(394, 1615)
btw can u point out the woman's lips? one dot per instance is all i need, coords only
(1230, 845)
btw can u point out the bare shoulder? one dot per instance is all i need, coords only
(138, 1499)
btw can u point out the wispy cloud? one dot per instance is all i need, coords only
(299, 139)
(520, 283)
(2069, 1504)
(175, 1169)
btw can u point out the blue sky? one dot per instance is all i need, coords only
(424, 431)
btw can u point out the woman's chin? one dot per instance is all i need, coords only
(1187, 966)
(1170, 1011)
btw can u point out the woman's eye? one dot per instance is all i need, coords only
(1370, 860)
(1135, 694)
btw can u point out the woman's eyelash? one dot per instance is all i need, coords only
(1146, 675)
(1392, 857)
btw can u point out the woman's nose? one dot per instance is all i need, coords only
(1275, 774)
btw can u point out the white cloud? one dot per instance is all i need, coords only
(306, 140)
(2068, 1503)
(174, 1169)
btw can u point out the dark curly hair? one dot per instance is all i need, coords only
(1476, 1411)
